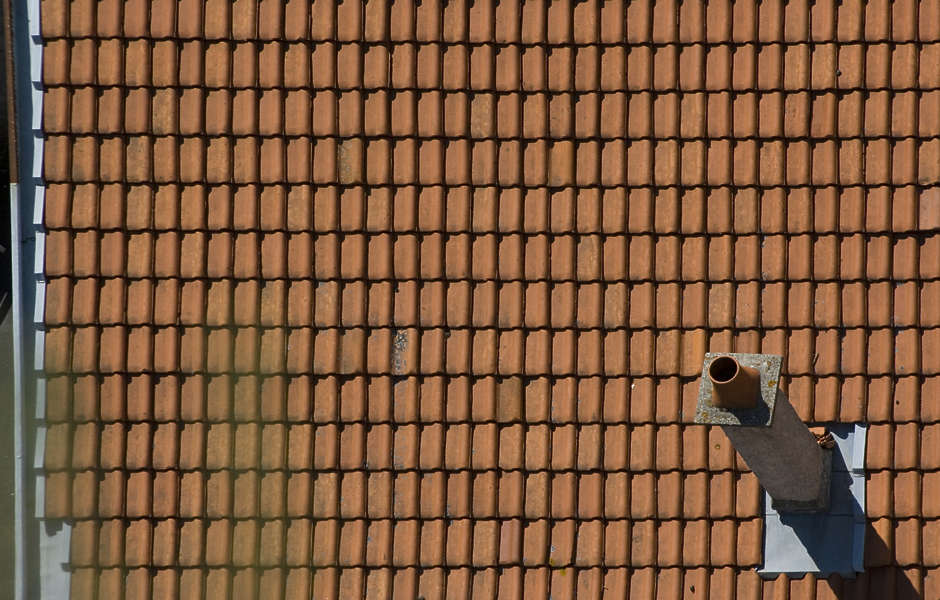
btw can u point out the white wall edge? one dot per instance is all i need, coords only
(54, 544)
(39, 356)
(858, 452)
(40, 497)
(39, 307)
(40, 406)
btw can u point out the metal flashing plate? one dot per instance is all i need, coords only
(768, 365)
(823, 543)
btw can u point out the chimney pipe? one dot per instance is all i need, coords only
(734, 385)
(740, 393)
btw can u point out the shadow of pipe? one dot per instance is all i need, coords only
(885, 581)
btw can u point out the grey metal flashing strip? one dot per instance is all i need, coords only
(19, 406)
(828, 542)
(23, 261)
(41, 547)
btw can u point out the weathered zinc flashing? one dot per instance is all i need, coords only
(829, 542)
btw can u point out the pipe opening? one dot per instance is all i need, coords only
(723, 369)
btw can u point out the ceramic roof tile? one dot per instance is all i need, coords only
(827, 258)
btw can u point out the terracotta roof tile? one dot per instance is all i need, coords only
(822, 263)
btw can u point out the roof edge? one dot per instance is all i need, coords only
(41, 547)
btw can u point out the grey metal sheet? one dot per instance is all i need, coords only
(823, 543)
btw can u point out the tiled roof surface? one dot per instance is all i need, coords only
(410, 298)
